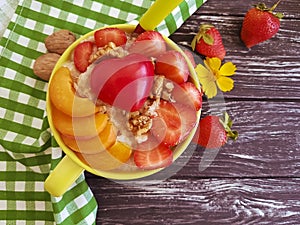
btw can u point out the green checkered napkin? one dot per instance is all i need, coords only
(27, 150)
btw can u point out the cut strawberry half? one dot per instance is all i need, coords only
(148, 145)
(188, 94)
(173, 66)
(173, 123)
(104, 36)
(188, 118)
(159, 157)
(149, 43)
(82, 54)
(189, 54)
(166, 126)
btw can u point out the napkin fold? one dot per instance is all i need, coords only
(28, 151)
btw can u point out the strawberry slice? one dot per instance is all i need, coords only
(82, 54)
(149, 43)
(111, 34)
(159, 157)
(166, 126)
(148, 145)
(189, 54)
(173, 66)
(188, 118)
(173, 123)
(188, 94)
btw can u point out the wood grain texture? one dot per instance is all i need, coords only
(254, 180)
(268, 143)
(199, 201)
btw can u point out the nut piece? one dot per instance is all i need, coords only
(59, 41)
(106, 51)
(162, 88)
(44, 65)
(139, 123)
(102, 51)
(158, 85)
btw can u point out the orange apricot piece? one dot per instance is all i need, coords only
(82, 127)
(120, 151)
(100, 161)
(64, 98)
(104, 160)
(104, 140)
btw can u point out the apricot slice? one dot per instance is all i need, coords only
(104, 140)
(62, 95)
(105, 160)
(82, 127)
(120, 151)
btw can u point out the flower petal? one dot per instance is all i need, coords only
(202, 71)
(225, 84)
(228, 69)
(213, 63)
(207, 81)
(210, 89)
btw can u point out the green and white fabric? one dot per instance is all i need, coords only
(27, 150)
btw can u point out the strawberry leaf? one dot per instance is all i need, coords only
(263, 7)
(194, 42)
(227, 122)
(279, 15)
(208, 39)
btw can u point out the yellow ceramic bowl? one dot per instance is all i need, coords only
(71, 166)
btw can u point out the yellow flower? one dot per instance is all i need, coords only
(213, 74)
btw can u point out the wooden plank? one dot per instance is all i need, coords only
(290, 8)
(199, 201)
(268, 142)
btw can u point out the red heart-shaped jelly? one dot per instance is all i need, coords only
(123, 82)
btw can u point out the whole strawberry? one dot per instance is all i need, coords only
(208, 42)
(260, 24)
(215, 131)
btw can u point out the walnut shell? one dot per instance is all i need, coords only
(44, 65)
(59, 41)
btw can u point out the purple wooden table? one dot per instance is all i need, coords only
(255, 180)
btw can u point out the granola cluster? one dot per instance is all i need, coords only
(107, 51)
(162, 88)
(140, 122)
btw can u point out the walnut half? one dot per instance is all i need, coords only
(44, 65)
(59, 41)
